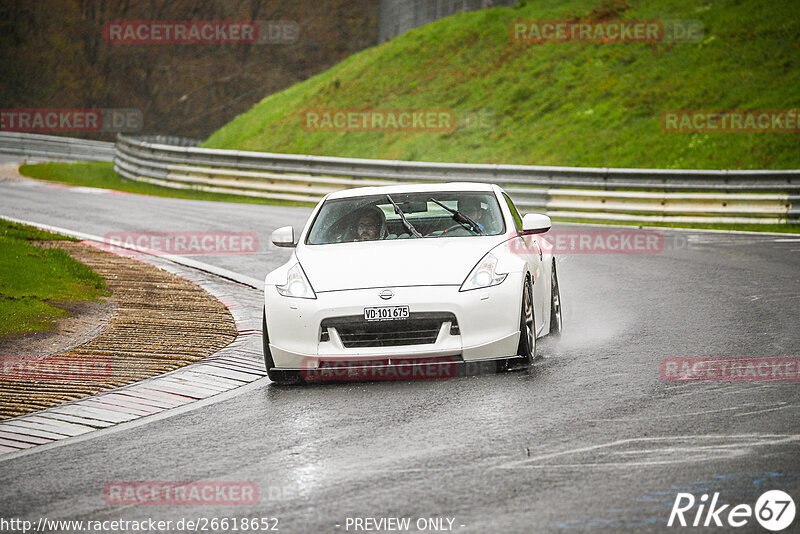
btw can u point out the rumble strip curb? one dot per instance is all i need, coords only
(238, 364)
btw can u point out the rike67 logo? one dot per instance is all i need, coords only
(774, 510)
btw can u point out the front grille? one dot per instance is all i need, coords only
(419, 329)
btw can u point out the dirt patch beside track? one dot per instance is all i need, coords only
(160, 322)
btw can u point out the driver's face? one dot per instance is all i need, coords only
(367, 228)
(471, 210)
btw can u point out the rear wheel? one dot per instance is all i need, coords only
(527, 329)
(281, 378)
(556, 319)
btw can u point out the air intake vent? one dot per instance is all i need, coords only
(419, 329)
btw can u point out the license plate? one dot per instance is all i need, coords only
(386, 313)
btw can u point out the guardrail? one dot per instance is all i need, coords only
(580, 193)
(51, 147)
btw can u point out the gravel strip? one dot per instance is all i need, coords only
(161, 322)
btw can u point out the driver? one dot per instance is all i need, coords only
(370, 224)
(471, 207)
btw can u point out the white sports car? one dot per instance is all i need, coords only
(409, 281)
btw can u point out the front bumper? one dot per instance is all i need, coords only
(488, 324)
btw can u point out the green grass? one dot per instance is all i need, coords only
(12, 230)
(102, 175)
(34, 280)
(572, 104)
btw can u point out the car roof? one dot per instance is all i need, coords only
(412, 188)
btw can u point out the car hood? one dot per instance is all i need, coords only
(397, 262)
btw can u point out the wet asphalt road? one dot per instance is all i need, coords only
(589, 439)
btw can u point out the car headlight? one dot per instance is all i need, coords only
(297, 285)
(483, 275)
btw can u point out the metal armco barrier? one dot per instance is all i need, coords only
(52, 147)
(574, 193)
(579, 193)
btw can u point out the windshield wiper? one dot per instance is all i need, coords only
(402, 215)
(462, 219)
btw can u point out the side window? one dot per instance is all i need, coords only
(514, 213)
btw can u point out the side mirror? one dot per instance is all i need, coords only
(283, 237)
(536, 223)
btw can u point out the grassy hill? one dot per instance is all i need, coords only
(581, 104)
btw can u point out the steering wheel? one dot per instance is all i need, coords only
(459, 227)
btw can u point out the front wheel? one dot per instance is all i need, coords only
(556, 319)
(527, 329)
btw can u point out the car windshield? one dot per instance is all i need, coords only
(427, 215)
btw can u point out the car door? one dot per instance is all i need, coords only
(528, 247)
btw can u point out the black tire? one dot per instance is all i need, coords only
(556, 317)
(281, 378)
(527, 329)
